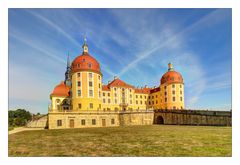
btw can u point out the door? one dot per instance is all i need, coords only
(104, 122)
(71, 123)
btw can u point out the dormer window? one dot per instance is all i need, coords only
(89, 65)
(78, 65)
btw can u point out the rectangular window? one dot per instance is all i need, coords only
(79, 92)
(141, 102)
(165, 93)
(165, 99)
(140, 96)
(165, 87)
(180, 92)
(152, 97)
(152, 102)
(59, 123)
(99, 85)
(90, 83)
(130, 101)
(136, 102)
(145, 97)
(99, 94)
(103, 94)
(115, 89)
(180, 86)
(90, 93)
(156, 101)
(104, 100)
(112, 121)
(79, 106)
(173, 92)
(156, 96)
(79, 83)
(109, 101)
(149, 102)
(90, 75)
(78, 74)
(180, 98)
(83, 122)
(130, 96)
(136, 96)
(173, 85)
(173, 98)
(99, 77)
(115, 94)
(115, 101)
(93, 121)
(108, 94)
(91, 105)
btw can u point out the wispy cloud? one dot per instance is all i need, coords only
(37, 47)
(54, 26)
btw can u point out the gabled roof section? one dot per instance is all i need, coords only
(105, 88)
(155, 90)
(142, 90)
(119, 83)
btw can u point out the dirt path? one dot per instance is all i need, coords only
(20, 129)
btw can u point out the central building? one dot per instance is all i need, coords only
(83, 91)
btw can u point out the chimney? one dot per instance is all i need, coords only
(115, 77)
(154, 87)
(146, 86)
(109, 82)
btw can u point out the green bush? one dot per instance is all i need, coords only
(18, 117)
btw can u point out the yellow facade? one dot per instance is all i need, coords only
(86, 91)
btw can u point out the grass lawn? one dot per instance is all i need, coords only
(152, 140)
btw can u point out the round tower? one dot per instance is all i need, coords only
(86, 81)
(172, 89)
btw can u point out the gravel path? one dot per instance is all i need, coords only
(20, 129)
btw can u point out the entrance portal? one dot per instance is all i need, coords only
(160, 120)
(104, 122)
(71, 123)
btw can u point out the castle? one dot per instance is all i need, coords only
(83, 101)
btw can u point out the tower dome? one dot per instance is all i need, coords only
(61, 90)
(85, 62)
(171, 76)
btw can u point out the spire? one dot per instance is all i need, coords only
(68, 61)
(170, 67)
(85, 46)
(68, 72)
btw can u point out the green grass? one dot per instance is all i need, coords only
(154, 140)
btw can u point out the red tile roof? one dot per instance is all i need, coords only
(85, 62)
(61, 90)
(105, 88)
(119, 83)
(155, 90)
(142, 90)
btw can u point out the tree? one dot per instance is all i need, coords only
(19, 117)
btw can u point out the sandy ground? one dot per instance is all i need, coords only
(20, 129)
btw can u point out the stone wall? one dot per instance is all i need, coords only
(103, 119)
(41, 122)
(193, 117)
(136, 118)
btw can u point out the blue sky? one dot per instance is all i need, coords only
(134, 44)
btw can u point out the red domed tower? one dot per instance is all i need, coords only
(86, 78)
(172, 89)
